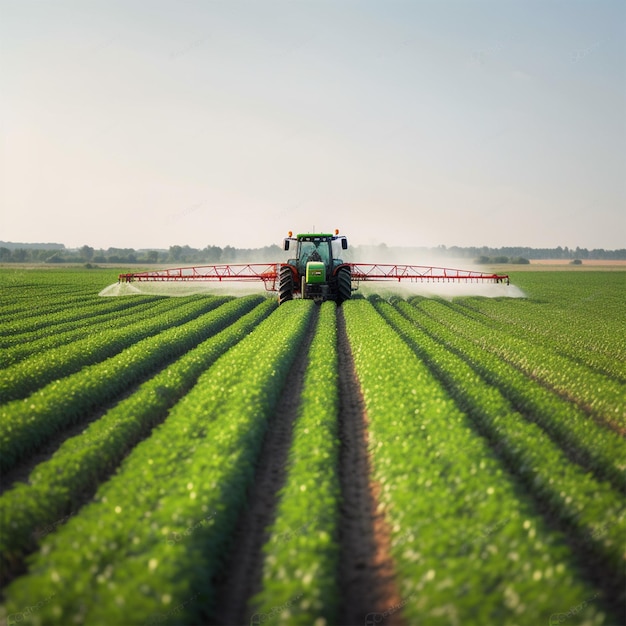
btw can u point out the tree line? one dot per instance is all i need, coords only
(16, 253)
(524, 252)
(58, 253)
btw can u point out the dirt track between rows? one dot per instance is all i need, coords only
(241, 578)
(366, 575)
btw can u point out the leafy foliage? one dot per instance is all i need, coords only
(187, 480)
(495, 434)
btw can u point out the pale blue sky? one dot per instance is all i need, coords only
(148, 124)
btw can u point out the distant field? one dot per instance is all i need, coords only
(590, 262)
(214, 459)
(538, 265)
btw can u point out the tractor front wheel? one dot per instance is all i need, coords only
(344, 284)
(285, 285)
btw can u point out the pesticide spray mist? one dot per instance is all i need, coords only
(180, 289)
(447, 291)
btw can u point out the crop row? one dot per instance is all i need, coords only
(593, 392)
(149, 546)
(57, 486)
(32, 308)
(25, 377)
(458, 523)
(24, 302)
(595, 347)
(302, 554)
(44, 325)
(593, 446)
(565, 489)
(579, 315)
(41, 324)
(28, 423)
(22, 347)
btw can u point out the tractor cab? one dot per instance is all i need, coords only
(318, 248)
(315, 249)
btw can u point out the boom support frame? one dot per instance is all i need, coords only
(269, 274)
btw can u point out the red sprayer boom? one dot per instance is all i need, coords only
(422, 273)
(269, 272)
(213, 273)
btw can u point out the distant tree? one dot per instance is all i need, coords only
(229, 254)
(212, 254)
(576, 262)
(175, 253)
(39, 255)
(153, 256)
(5, 255)
(86, 253)
(20, 255)
(520, 260)
(270, 253)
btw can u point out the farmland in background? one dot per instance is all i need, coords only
(212, 459)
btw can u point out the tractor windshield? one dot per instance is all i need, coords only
(314, 251)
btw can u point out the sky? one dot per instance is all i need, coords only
(423, 123)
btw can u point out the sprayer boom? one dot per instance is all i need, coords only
(266, 272)
(422, 273)
(269, 273)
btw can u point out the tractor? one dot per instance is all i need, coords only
(316, 273)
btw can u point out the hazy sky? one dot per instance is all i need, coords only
(154, 123)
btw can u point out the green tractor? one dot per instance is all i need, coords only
(317, 273)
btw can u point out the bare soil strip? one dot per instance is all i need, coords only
(241, 577)
(366, 576)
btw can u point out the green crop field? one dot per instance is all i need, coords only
(212, 459)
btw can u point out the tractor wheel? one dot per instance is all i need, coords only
(344, 284)
(285, 285)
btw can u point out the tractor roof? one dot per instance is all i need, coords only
(309, 235)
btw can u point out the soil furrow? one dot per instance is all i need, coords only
(241, 576)
(367, 587)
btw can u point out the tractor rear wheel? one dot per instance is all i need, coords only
(285, 285)
(344, 284)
